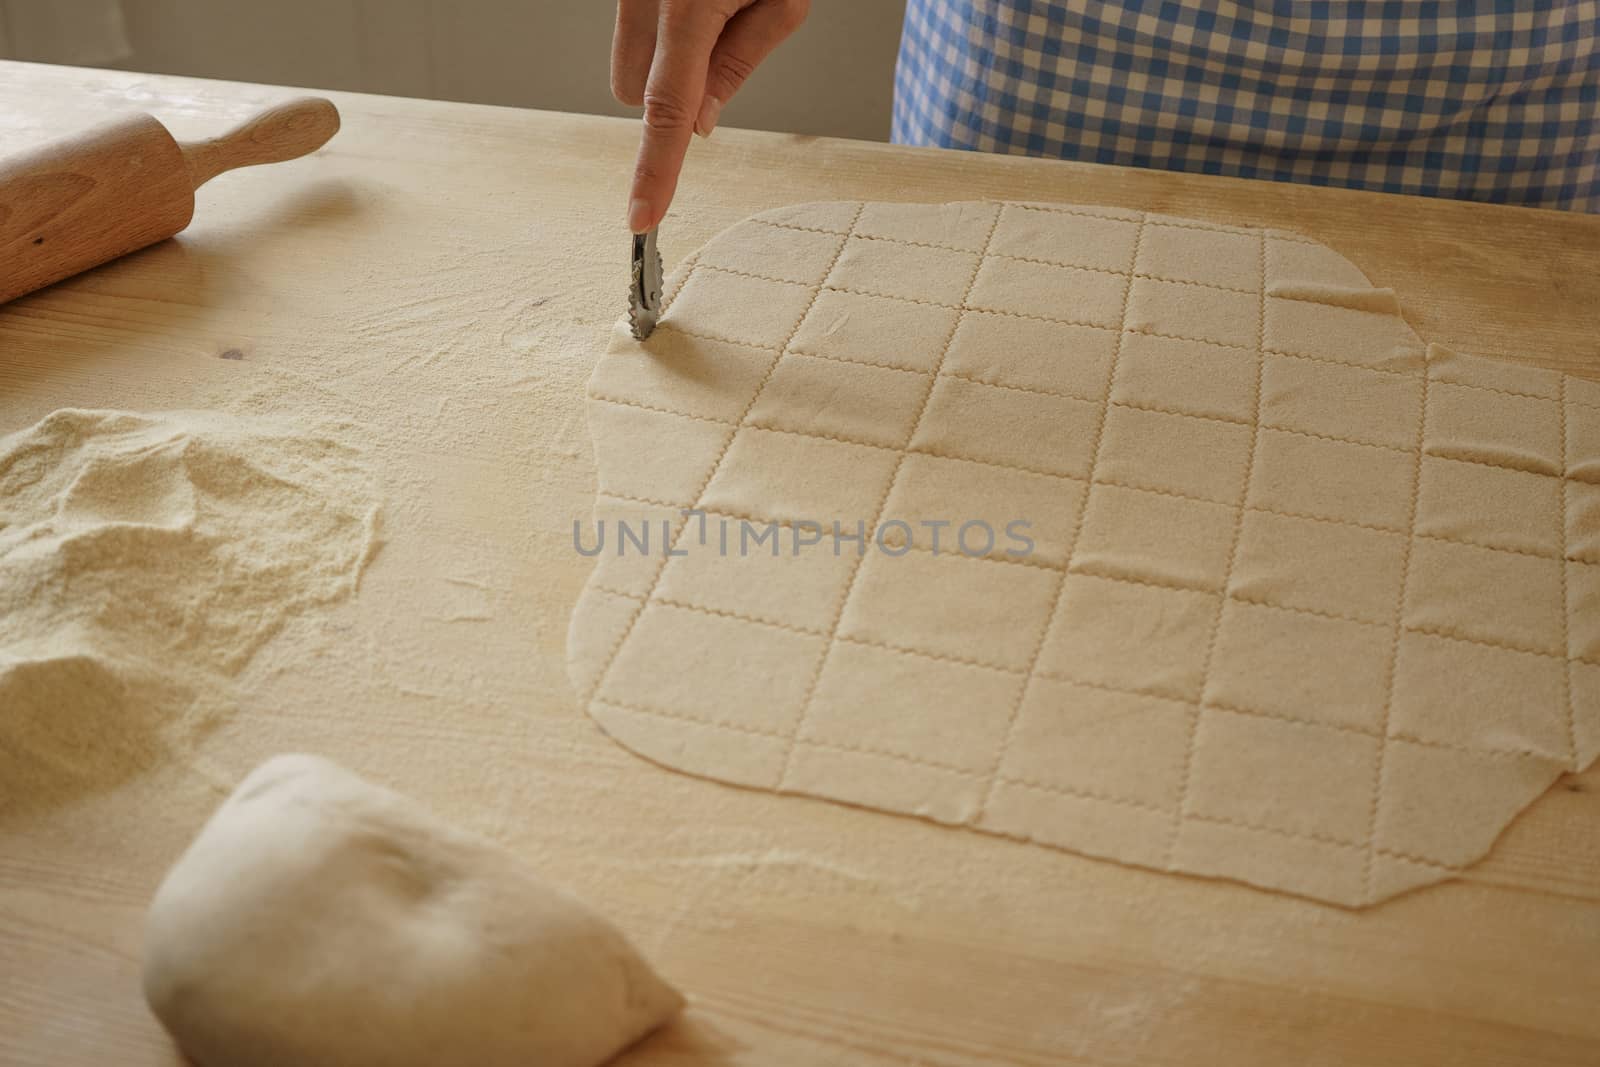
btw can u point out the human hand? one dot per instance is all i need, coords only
(683, 59)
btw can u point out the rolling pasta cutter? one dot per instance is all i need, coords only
(644, 287)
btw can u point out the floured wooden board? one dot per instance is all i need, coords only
(1237, 576)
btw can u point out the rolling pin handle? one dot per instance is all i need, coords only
(285, 132)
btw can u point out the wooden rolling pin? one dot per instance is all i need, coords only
(85, 200)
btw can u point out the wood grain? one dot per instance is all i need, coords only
(443, 276)
(92, 197)
(277, 135)
(81, 201)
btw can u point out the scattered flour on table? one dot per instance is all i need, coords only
(144, 558)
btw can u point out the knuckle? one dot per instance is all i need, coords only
(732, 71)
(647, 173)
(664, 110)
(676, 12)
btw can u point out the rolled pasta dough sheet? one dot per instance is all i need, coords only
(1238, 576)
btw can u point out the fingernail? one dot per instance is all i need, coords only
(710, 111)
(638, 215)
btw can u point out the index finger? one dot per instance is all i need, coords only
(684, 39)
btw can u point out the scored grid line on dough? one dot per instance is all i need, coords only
(1012, 780)
(1202, 416)
(1003, 313)
(1052, 787)
(1197, 716)
(605, 671)
(1430, 370)
(1566, 590)
(1280, 235)
(996, 255)
(925, 451)
(1008, 732)
(1111, 576)
(1236, 709)
(1426, 631)
(1031, 784)
(1122, 214)
(1408, 550)
(922, 410)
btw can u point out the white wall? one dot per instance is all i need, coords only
(834, 77)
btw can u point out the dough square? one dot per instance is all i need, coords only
(1083, 238)
(1348, 335)
(1205, 257)
(1094, 826)
(936, 489)
(1486, 594)
(1581, 392)
(1016, 287)
(1299, 262)
(1453, 503)
(1341, 401)
(874, 329)
(1174, 453)
(1174, 626)
(1082, 739)
(832, 216)
(671, 650)
(981, 422)
(800, 478)
(1448, 806)
(1583, 611)
(1332, 480)
(774, 581)
(1297, 666)
(1187, 376)
(1447, 366)
(1583, 521)
(1318, 566)
(1275, 774)
(681, 455)
(888, 268)
(752, 311)
(1515, 692)
(747, 249)
(599, 619)
(1513, 431)
(632, 539)
(1583, 441)
(807, 394)
(1217, 315)
(951, 714)
(1316, 867)
(963, 225)
(731, 754)
(692, 375)
(883, 782)
(1152, 537)
(951, 605)
(1054, 357)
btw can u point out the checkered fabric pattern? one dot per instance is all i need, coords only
(1492, 101)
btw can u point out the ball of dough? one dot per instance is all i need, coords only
(322, 921)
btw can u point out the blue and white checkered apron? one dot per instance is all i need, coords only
(1495, 100)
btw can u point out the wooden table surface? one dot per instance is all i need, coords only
(443, 277)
